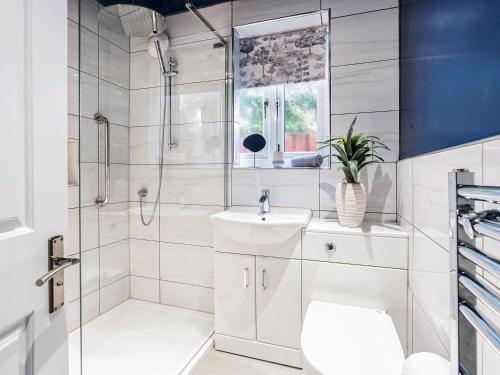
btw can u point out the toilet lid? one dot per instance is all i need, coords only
(347, 340)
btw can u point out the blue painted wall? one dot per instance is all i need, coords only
(450, 73)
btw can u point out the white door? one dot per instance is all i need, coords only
(33, 170)
(235, 295)
(278, 301)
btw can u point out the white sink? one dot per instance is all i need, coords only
(245, 224)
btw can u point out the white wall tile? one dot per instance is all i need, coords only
(137, 229)
(73, 44)
(88, 16)
(144, 70)
(90, 310)
(346, 7)
(177, 223)
(289, 187)
(88, 183)
(89, 52)
(114, 294)
(114, 64)
(379, 180)
(88, 90)
(260, 10)
(145, 143)
(430, 283)
(113, 223)
(384, 125)
(89, 228)
(187, 264)
(368, 87)
(145, 107)
(430, 188)
(187, 296)
(119, 178)
(145, 289)
(119, 148)
(114, 103)
(424, 337)
(114, 262)
(90, 271)
(405, 189)
(73, 10)
(88, 140)
(144, 176)
(201, 143)
(73, 91)
(145, 258)
(365, 37)
(117, 39)
(190, 57)
(197, 184)
(196, 103)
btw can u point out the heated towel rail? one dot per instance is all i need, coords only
(474, 213)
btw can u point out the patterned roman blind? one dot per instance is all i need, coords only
(288, 57)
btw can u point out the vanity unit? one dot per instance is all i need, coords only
(268, 268)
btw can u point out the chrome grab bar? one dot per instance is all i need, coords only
(486, 263)
(481, 193)
(481, 293)
(481, 326)
(101, 201)
(62, 263)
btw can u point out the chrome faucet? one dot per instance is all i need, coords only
(265, 204)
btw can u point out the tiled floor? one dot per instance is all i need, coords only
(140, 338)
(220, 363)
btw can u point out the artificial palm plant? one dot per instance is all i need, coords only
(354, 152)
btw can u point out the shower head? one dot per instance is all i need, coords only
(132, 20)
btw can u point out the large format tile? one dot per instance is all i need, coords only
(196, 103)
(424, 337)
(384, 125)
(145, 258)
(187, 296)
(89, 175)
(88, 16)
(430, 188)
(89, 228)
(114, 103)
(88, 140)
(201, 143)
(119, 148)
(114, 262)
(73, 44)
(177, 223)
(88, 94)
(145, 109)
(190, 57)
(144, 144)
(379, 180)
(114, 294)
(405, 189)
(145, 289)
(89, 271)
(114, 64)
(260, 10)
(140, 231)
(429, 280)
(289, 187)
(346, 7)
(119, 181)
(187, 264)
(113, 223)
(365, 37)
(89, 310)
(199, 184)
(368, 87)
(144, 70)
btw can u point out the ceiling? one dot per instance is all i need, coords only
(165, 7)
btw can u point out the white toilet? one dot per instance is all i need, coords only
(348, 340)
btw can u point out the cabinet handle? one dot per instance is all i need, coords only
(264, 285)
(245, 278)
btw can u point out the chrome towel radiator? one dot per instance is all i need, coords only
(474, 213)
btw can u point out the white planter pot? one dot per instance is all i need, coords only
(351, 204)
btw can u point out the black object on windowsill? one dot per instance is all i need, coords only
(254, 143)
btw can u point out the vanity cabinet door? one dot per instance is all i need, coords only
(235, 295)
(278, 301)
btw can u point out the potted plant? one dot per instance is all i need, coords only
(354, 153)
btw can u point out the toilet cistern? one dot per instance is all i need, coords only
(265, 205)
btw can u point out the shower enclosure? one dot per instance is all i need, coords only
(148, 116)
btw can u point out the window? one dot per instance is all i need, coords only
(281, 87)
(292, 116)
